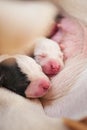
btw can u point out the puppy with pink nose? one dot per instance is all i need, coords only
(22, 75)
(48, 54)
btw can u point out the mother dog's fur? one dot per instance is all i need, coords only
(16, 112)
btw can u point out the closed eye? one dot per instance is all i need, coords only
(43, 55)
(39, 58)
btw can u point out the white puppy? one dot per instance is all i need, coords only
(49, 55)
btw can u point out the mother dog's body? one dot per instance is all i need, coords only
(68, 96)
(17, 111)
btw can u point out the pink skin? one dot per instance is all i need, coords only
(70, 37)
(51, 67)
(37, 88)
(68, 83)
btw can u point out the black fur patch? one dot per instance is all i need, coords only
(12, 78)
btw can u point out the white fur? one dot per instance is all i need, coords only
(14, 109)
(75, 8)
(18, 113)
(67, 97)
(49, 49)
(30, 67)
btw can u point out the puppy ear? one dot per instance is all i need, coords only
(1, 77)
(4, 69)
(12, 78)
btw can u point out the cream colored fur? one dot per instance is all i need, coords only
(17, 113)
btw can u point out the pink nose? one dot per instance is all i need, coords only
(44, 85)
(37, 88)
(51, 68)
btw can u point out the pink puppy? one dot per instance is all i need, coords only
(48, 54)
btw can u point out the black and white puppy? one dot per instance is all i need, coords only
(21, 74)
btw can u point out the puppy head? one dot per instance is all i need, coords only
(48, 54)
(11, 76)
(22, 75)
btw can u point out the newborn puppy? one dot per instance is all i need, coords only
(48, 54)
(22, 75)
